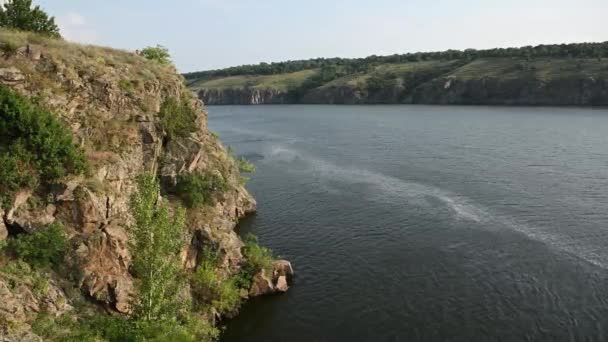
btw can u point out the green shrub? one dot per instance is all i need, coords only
(257, 258)
(35, 147)
(19, 273)
(42, 248)
(197, 189)
(157, 53)
(245, 165)
(209, 289)
(177, 117)
(101, 327)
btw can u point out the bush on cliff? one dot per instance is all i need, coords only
(43, 248)
(157, 53)
(35, 147)
(19, 14)
(210, 289)
(197, 189)
(257, 258)
(177, 117)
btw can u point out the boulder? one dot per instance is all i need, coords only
(262, 285)
(281, 285)
(282, 268)
(11, 76)
(3, 229)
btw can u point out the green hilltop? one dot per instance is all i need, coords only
(566, 74)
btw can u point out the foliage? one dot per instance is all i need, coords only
(18, 273)
(177, 117)
(19, 14)
(378, 82)
(157, 53)
(210, 289)
(157, 237)
(356, 65)
(42, 248)
(35, 147)
(197, 189)
(245, 165)
(257, 258)
(98, 327)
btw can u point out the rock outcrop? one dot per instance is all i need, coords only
(243, 96)
(111, 101)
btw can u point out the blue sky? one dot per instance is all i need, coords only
(207, 34)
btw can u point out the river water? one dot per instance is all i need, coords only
(427, 223)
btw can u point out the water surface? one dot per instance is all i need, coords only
(427, 223)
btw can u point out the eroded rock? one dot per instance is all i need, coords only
(11, 76)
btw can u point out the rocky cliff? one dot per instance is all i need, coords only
(243, 96)
(110, 100)
(484, 81)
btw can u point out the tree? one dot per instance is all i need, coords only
(159, 54)
(157, 237)
(19, 14)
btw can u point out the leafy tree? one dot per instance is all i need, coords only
(157, 53)
(157, 239)
(19, 14)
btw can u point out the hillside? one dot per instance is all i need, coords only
(81, 126)
(575, 74)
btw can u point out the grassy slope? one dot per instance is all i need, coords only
(279, 82)
(544, 69)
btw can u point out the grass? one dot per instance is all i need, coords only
(544, 69)
(280, 82)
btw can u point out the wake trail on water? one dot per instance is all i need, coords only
(459, 206)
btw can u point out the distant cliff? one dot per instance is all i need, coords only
(575, 74)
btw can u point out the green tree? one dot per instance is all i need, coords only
(157, 239)
(19, 14)
(157, 53)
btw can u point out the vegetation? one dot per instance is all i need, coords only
(157, 53)
(35, 147)
(157, 237)
(257, 258)
(43, 248)
(101, 327)
(20, 15)
(210, 289)
(245, 165)
(177, 117)
(356, 65)
(197, 189)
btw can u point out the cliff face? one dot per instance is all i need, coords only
(242, 96)
(110, 99)
(489, 81)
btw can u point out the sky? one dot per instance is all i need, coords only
(211, 34)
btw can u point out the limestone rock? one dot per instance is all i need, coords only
(3, 229)
(261, 285)
(281, 285)
(282, 268)
(11, 76)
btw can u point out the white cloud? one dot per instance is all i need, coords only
(75, 27)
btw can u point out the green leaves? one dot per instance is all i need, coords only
(158, 54)
(157, 239)
(177, 117)
(35, 147)
(19, 14)
(43, 248)
(197, 189)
